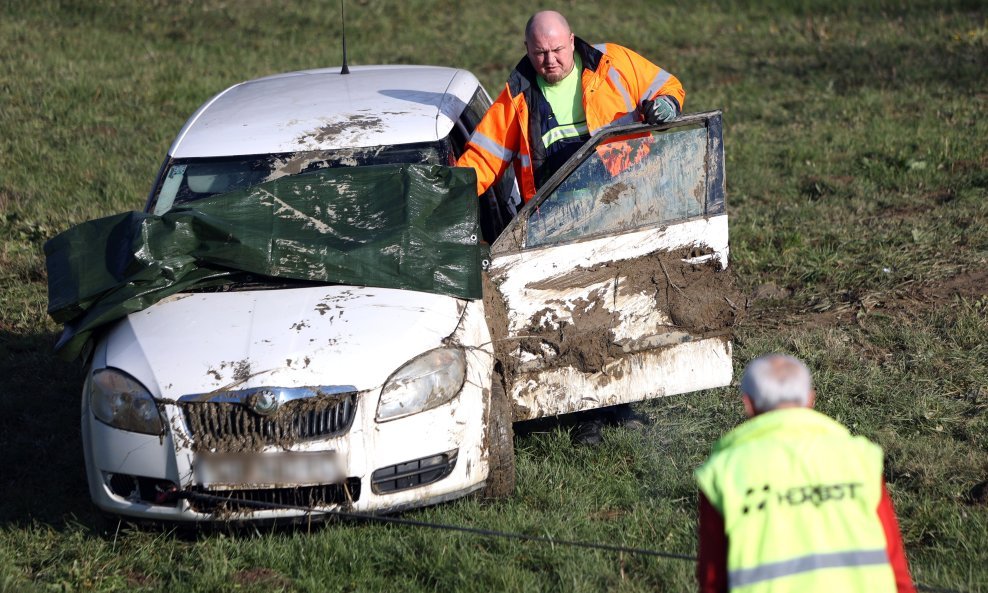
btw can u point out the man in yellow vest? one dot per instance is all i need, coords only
(790, 501)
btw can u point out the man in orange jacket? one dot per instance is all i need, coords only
(556, 97)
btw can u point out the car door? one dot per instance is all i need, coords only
(611, 285)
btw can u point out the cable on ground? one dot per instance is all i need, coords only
(471, 530)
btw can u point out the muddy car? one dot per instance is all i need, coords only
(315, 312)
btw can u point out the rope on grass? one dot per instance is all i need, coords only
(473, 530)
(440, 526)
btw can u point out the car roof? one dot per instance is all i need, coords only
(324, 110)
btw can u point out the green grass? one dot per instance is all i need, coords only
(857, 167)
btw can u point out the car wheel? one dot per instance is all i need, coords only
(500, 444)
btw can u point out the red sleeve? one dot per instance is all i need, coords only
(894, 547)
(711, 565)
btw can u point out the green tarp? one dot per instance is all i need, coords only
(392, 226)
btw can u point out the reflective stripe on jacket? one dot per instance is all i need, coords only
(615, 80)
(798, 495)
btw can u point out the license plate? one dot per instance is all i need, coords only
(275, 470)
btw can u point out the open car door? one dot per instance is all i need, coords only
(611, 285)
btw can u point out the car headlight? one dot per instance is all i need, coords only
(427, 381)
(120, 401)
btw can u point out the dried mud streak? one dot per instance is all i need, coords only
(350, 125)
(497, 322)
(701, 303)
(585, 343)
(612, 193)
(241, 370)
(701, 299)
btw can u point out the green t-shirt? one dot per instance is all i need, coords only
(566, 96)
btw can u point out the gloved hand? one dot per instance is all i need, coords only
(662, 109)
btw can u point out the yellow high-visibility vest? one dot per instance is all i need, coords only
(799, 497)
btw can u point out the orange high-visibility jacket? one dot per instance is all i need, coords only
(615, 81)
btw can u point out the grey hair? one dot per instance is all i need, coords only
(774, 379)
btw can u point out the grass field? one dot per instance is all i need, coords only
(857, 167)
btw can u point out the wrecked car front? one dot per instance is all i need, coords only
(278, 388)
(287, 397)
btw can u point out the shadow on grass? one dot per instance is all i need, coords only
(43, 478)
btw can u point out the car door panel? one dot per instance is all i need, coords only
(613, 288)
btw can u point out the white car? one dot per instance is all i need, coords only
(276, 399)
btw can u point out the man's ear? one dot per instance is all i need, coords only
(811, 400)
(749, 408)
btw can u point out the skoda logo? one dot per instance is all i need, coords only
(264, 403)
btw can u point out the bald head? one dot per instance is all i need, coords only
(546, 22)
(550, 45)
(776, 381)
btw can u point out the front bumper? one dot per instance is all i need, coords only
(415, 461)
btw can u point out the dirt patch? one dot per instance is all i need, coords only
(699, 297)
(586, 342)
(497, 323)
(941, 196)
(818, 188)
(351, 125)
(137, 579)
(845, 308)
(969, 284)
(969, 166)
(612, 193)
(266, 578)
(978, 495)
(922, 297)
(770, 291)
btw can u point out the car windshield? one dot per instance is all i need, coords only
(187, 180)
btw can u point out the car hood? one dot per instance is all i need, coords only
(197, 343)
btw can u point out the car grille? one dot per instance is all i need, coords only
(221, 501)
(233, 426)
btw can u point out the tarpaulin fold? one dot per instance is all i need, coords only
(411, 227)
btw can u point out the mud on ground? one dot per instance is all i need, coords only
(775, 306)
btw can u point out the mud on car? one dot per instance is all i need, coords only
(315, 312)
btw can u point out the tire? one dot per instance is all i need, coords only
(500, 445)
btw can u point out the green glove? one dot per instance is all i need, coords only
(662, 109)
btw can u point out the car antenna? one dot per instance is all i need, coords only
(345, 69)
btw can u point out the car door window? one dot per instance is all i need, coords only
(627, 183)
